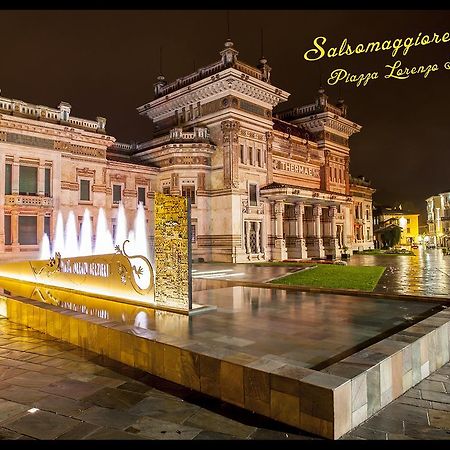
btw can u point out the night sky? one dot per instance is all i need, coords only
(104, 63)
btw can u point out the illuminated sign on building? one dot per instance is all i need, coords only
(292, 167)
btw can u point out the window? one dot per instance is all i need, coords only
(250, 155)
(117, 193)
(258, 157)
(47, 179)
(193, 234)
(188, 191)
(47, 226)
(368, 234)
(8, 179)
(252, 193)
(27, 230)
(408, 230)
(27, 180)
(408, 221)
(141, 195)
(8, 240)
(242, 154)
(85, 190)
(166, 190)
(367, 214)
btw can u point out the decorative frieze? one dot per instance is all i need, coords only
(251, 134)
(99, 188)
(230, 140)
(129, 193)
(85, 172)
(69, 186)
(118, 177)
(247, 209)
(32, 141)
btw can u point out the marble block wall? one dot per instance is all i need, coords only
(328, 403)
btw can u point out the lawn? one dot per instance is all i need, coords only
(361, 278)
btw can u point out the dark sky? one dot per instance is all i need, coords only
(105, 63)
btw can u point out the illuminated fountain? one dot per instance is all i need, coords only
(71, 237)
(116, 265)
(44, 252)
(103, 237)
(69, 245)
(86, 235)
(121, 229)
(58, 243)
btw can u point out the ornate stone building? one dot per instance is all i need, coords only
(262, 185)
(51, 161)
(438, 219)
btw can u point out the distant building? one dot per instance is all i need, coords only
(361, 192)
(408, 221)
(438, 219)
(262, 186)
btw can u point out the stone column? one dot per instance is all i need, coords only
(334, 247)
(15, 231)
(269, 160)
(40, 226)
(346, 229)
(279, 251)
(15, 178)
(41, 180)
(300, 250)
(258, 237)
(317, 249)
(247, 236)
(2, 228)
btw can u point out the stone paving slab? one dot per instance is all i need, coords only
(113, 401)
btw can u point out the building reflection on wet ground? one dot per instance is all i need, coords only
(303, 329)
(426, 273)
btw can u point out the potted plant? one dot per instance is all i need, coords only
(345, 254)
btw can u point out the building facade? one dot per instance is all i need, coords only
(438, 219)
(408, 221)
(50, 162)
(262, 186)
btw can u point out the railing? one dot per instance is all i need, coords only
(249, 70)
(44, 112)
(333, 109)
(205, 72)
(191, 78)
(83, 123)
(122, 146)
(306, 110)
(28, 200)
(297, 112)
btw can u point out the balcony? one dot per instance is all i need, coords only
(28, 200)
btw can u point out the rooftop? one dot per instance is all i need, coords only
(60, 115)
(228, 59)
(320, 105)
(291, 129)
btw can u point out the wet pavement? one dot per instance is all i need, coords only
(275, 325)
(423, 412)
(426, 273)
(53, 390)
(241, 272)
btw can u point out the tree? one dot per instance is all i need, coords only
(391, 236)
